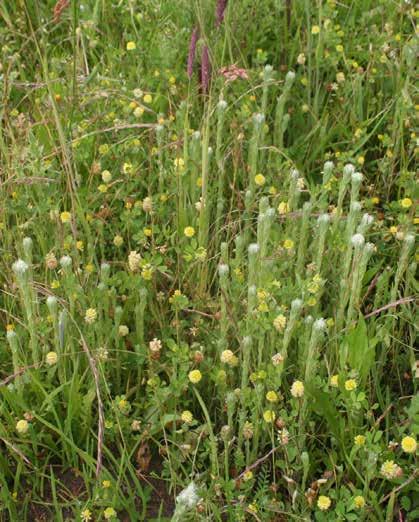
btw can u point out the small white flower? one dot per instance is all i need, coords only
(196, 135)
(20, 267)
(357, 240)
(268, 68)
(294, 174)
(222, 105)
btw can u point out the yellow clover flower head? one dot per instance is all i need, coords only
(65, 217)
(406, 202)
(269, 416)
(131, 46)
(189, 231)
(297, 389)
(186, 417)
(22, 426)
(109, 513)
(90, 315)
(409, 444)
(51, 358)
(350, 385)
(359, 440)
(260, 180)
(195, 376)
(324, 503)
(359, 502)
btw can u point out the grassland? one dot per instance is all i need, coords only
(208, 261)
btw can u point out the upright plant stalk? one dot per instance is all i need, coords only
(302, 244)
(221, 108)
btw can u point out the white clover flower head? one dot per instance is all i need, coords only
(370, 248)
(268, 68)
(357, 177)
(222, 105)
(222, 269)
(357, 240)
(290, 77)
(196, 135)
(355, 206)
(253, 248)
(323, 219)
(296, 304)
(348, 169)
(309, 319)
(320, 324)
(258, 118)
(20, 267)
(189, 496)
(210, 151)
(159, 128)
(329, 165)
(66, 261)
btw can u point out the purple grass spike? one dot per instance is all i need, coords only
(205, 70)
(219, 12)
(192, 49)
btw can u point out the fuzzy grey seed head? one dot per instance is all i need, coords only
(357, 177)
(27, 243)
(409, 239)
(357, 240)
(296, 304)
(222, 105)
(258, 118)
(319, 324)
(348, 169)
(367, 219)
(11, 335)
(253, 248)
(223, 269)
(329, 165)
(19, 267)
(323, 219)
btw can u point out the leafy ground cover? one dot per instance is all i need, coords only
(208, 263)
